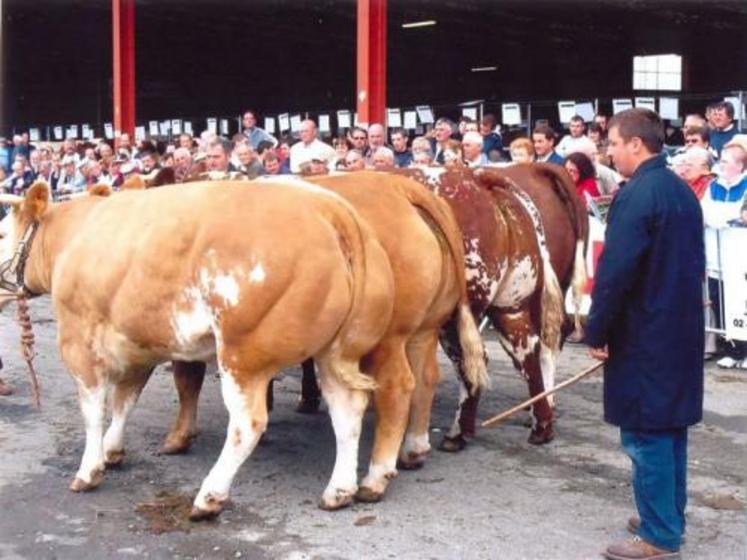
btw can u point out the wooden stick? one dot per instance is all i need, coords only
(511, 411)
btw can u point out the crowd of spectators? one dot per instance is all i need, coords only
(712, 161)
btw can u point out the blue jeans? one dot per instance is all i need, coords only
(659, 483)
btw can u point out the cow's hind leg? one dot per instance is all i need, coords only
(463, 426)
(346, 407)
(245, 396)
(188, 378)
(93, 407)
(394, 386)
(519, 335)
(421, 353)
(123, 399)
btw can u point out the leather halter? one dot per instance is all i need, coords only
(16, 265)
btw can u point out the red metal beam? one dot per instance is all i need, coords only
(371, 55)
(123, 67)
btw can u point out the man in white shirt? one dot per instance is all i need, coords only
(472, 144)
(310, 147)
(571, 142)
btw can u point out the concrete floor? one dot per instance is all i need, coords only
(499, 499)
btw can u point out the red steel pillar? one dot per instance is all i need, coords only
(371, 53)
(123, 67)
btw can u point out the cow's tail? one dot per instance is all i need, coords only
(439, 215)
(352, 239)
(552, 308)
(566, 192)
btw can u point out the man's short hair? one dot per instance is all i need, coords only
(577, 118)
(444, 120)
(545, 130)
(642, 123)
(401, 131)
(700, 131)
(489, 120)
(725, 106)
(224, 144)
(472, 138)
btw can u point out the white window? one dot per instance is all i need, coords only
(657, 72)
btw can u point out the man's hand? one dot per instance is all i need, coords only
(600, 354)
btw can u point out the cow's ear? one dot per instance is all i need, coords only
(99, 190)
(36, 200)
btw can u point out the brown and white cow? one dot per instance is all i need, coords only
(194, 271)
(513, 275)
(423, 243)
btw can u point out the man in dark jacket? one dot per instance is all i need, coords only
(646, 321)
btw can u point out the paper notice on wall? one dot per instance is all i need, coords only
(295, 123)
(284, 122)
(224, 127)
(669, 108)
(188, 128)
(34, 134)
(176, 126)
(212, 125)
(356, 122)
(139, 133)
(270, 125)
(108, 130)
(619, 105)
(585, 110)
(645, 103)
(566, 110)
(58, 133)
(511, 114)
(425, 114)
(411, 120)
(470, 112)
(324, 124)
(85, 131)
(164, 127)
(343, 119)
(394, 118)
(153, 128)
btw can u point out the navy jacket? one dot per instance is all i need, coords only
(647, 303)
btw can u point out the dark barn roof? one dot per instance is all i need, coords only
(200, 57)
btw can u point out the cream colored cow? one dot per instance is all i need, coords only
(195, 271)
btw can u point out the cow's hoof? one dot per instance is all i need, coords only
(413, 462)
(80, 485)
(368, 495)
(114, 458)
(452, 444)
(340, 499)
(308, 406)
(542, 436)
(199, 514)
(176, 445)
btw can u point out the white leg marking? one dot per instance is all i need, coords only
(114, 438)
(93, 407)
(417, 444)
(241, 439)
(346, 408)
(455, 430)
(547, 364)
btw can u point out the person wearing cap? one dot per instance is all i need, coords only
(310, 147)
(71, 179)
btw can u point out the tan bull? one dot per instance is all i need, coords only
(423, 242)
(195, 271)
